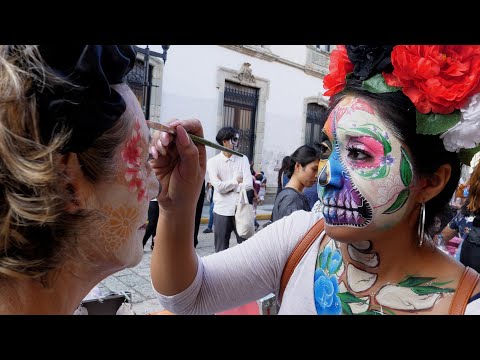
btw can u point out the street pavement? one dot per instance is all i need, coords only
(137, 280)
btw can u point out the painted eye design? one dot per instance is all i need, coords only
(357, 154)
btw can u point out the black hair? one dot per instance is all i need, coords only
(285, 166)
(304, 155)
(226, 133)
(427, 152)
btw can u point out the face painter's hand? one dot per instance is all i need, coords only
(179, 165)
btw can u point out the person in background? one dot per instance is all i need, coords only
(76, 182)
(257, 185)
(466, 225)
(151, 223)
(311, 193)
(210, 191)
(302, 173)
(198, 214)
(282, 174)
(227, 174)
(263, 187)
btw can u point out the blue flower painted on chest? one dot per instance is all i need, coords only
(327, 301)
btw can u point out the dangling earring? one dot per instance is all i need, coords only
(421, 225)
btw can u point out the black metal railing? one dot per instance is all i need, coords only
(140, 78)
(315, 121)
(240, 110)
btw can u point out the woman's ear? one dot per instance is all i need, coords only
(298, 166)
(433, 185)
(75, 184)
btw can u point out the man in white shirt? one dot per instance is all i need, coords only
(227, 173)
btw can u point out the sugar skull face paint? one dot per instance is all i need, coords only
(366, 177)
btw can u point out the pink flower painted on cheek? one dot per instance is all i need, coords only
(131, 154)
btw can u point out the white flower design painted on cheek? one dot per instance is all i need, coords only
(388, 188)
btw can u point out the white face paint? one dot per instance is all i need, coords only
(125, 201)
(367, 177)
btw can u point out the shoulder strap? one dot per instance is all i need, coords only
(298, 253)
(466, 285)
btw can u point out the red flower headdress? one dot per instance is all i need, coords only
(442, 81)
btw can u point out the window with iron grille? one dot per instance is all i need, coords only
(325, 48)
(315, 121)
(136, 80)
(240, 111)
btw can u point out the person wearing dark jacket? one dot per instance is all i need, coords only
(303, 173)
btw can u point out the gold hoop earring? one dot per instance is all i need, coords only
(421, 225)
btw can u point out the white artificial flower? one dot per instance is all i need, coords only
(466, 133)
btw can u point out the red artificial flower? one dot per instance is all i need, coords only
(339, 67)
(437, 78)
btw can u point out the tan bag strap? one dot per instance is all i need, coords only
(298, 253)
(465, 287)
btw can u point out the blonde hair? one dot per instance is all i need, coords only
(35, 228)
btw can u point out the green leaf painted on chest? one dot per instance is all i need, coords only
(346, 309)
(414, 281)
(426, 290)
(370, 312)
(329, 257)
(347, 297)
(441, 283)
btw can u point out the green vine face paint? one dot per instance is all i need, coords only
(367, 177)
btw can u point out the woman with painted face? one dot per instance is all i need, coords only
(302, 174)
(400, 122)
(75, 179)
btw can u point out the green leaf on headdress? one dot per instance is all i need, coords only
(466, 155)
(435, 124)
(376, 84)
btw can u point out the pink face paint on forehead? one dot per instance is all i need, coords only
(346, 106)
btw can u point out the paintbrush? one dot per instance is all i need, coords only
(195, 139)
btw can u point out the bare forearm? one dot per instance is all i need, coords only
(174, 261)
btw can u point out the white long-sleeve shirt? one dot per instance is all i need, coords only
(253, 269)
(223, 172)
